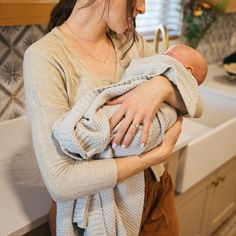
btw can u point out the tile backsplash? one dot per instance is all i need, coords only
(219, 42)
(13, 42)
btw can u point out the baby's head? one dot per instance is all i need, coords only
(192, 60)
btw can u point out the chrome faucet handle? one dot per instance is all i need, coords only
(161, 37)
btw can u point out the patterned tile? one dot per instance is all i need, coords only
(12, 105)
(17, 67)
(7, 71)
(4, 106)
(10, 110)
(24, 37)
(5, 37)
(5, 54)
(4, 92)
(14, 40)
(216, 43)
(39, 30)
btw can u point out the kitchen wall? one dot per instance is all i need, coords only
(219, 42)
(13, 43)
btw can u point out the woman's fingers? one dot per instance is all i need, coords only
(117, 116)
(145, 133)
(133, 128)
(122, 130)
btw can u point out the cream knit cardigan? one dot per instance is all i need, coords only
(86, 133)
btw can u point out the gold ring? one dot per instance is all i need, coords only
(135, 126)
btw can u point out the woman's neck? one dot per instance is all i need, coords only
(88, 24)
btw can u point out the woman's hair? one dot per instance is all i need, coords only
(61, 12)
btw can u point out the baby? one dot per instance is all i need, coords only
(89, 133)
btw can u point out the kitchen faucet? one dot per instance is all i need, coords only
(161, 37)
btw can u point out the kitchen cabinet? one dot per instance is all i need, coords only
(204, 207)
(25, 12)
(222, 197)
(190, 207)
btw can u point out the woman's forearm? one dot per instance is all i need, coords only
(128, 166)
(175, 100)
(170, 93)
(132, 165)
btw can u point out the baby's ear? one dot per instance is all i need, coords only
(190, 69)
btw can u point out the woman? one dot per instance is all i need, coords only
(90, 44)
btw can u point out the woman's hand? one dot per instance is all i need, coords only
(132, 165)
(161, 153)
(139, 107)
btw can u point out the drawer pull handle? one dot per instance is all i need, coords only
(222, 178)
(215, 183)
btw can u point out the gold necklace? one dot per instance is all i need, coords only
(74, 34)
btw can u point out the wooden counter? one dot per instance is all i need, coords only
(25, 12)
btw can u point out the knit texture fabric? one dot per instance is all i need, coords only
(85, 132)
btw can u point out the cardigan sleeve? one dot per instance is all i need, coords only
(46, 100)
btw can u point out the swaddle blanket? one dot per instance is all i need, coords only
(87, 134)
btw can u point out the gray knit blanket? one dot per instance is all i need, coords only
(87, 134)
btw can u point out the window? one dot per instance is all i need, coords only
(167, 12)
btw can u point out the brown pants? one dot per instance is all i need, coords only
(159, 214)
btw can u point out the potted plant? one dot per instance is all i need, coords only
(198, 16)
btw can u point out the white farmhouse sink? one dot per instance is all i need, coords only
(213, 139)
(24, 200)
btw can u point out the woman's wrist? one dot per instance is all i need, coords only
(129, 166)
(164, 87)
(169, 93)
(157, 155)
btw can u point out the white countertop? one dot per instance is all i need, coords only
(183, 140)
(217, 81)
(24, 200)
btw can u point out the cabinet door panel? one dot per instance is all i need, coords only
(190, 213)
(224, 197)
